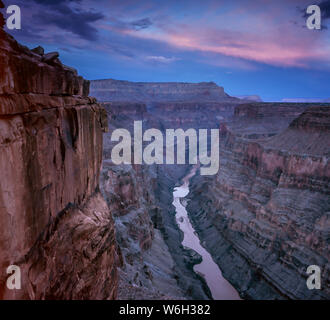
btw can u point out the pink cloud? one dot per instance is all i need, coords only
(279, 48)
(261, 33)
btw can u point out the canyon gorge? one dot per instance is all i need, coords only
(81, 227)
(265, 216)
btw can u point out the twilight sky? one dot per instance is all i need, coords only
(250, 47)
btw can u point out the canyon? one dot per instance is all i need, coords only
(207, 268)
(264, 217)
(80, 226)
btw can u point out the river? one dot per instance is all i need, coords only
(220, 288)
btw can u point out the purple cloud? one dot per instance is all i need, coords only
(142, 23)
(325, 9)
(67, 15)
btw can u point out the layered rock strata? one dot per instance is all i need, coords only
(55, 224)
(247, 139)
(155, 265)
(265, 216)
(111, 90)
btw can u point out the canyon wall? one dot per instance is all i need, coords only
(117, 90)
(55, 225)
(155, 265)
(265, 217)
(260, 151)
(269, 110)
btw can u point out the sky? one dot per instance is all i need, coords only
(249, 47)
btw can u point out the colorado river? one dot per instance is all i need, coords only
(220, 288)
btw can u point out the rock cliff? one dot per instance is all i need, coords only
(117, 90)
(265, 216)
(155, 265)
(55, 225)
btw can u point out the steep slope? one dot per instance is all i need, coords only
(55, 225)
(144, 194)
(265, 216)
(155, 265)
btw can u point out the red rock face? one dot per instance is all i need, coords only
(54, 223)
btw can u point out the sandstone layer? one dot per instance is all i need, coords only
(55, 224)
